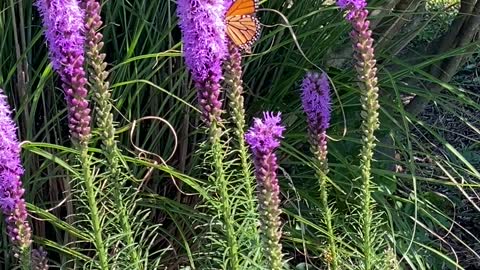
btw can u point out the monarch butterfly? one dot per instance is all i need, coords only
(242, 24)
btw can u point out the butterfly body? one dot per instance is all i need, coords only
(243, 27)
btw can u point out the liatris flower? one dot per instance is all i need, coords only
(316, 101)
(234, 81)
(12, 203)
(204, 41)
(263, 138)
(98, 77)
(63, 22)
(364, 54)
(352, 6)
(316, 104)
(39, 259)
(367, 71)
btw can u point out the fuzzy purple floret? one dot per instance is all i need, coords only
(12, 203)
(264, 136)
(10, 167)
(316, 101)
(63, 21)
(228, 4)
(64, 31)
(39, 259)
(204, 47)
(204, 37)
(353, 6)
(93, 22)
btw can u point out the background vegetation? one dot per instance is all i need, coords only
(427, 160)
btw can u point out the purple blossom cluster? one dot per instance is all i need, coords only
(365, 57)
(39, 259)
(12, 203)
(264, 137)
(353, 6)
(362, 40)
(93, 22)
(316, 104)
(316, 101)
(265, 134)
(204, 38)
(64, 31)
(204, 47)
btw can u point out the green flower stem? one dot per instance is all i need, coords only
(107, 133)
(366, 68)
(222, 189)
(103, 108)
(369, 125)
(25, 258)
(92, 206)
(319, 149)
(235, 94)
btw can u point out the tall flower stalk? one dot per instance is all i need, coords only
(12, 203)
(316, 104)
(64, 31)
(204, 47)
(263, 138)
(98, 77)
(235, 94)
(367, 71)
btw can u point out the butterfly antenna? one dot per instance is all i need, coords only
(297, 44)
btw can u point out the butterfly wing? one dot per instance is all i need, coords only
(242, 7)
(242, 25)
(243, 30)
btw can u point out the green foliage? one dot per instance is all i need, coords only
(439, 15)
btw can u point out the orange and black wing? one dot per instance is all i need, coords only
(242, 7)
(243, 30)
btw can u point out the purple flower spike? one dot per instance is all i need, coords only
(361, 36)
(204, 42)
(39, 259)
(316, 104)
(263, 138)
(316, 101)
(352, 6)
(12, 203)
(203, 28)
(64, 31)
